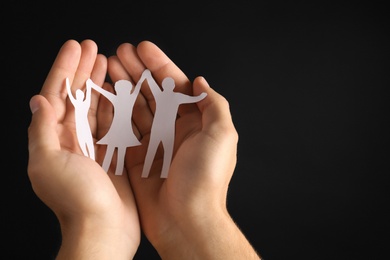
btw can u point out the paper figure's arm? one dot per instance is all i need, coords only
(154, 87)
(69, 91)
(137, 88)
(191, 99)
(88, 94)
(102, 91)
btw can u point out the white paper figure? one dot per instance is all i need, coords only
(163, 127)
(83, 130)
(120, 135)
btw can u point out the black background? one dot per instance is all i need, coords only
(307, 85)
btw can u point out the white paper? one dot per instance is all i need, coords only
(121, 135)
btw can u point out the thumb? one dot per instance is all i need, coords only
(42, 132)
(214, 108)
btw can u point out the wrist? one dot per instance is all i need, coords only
(86, 237)
(211, 235)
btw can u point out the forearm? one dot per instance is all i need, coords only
(88, 240)
(212, 237)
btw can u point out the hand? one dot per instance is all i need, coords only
(184, 215)
(96, 210)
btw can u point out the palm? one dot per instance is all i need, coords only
(160, 201)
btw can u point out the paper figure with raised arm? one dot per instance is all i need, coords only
(121, 134)
(83, 130)
(163, 127)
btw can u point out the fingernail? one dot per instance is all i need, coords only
(205, 81)
(34, 105)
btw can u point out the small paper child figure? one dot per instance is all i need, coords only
(120, 135)
(163, 127)
(83, 130)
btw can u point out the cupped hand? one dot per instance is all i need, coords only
(203, 160)
(88, 201)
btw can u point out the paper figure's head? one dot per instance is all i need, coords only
(123, 86)
(168, 84)
(79, 94)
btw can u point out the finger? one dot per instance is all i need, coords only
(117, 71)
(65, 65)
(98, 74)
(128, 56)
(42, 132)
(86, 64)
(216, 116)
(161, 67)
(217, 124)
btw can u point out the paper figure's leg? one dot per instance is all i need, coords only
(147, 165)
(168, 151)
(108, 158)
(82, 143)
(91, 151)
(149, 158)
(83, 149)
(120, 160)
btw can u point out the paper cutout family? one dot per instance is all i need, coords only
(121, 135)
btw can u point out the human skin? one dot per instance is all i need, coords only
(101, 214)
(185, 215)
(96, 210)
